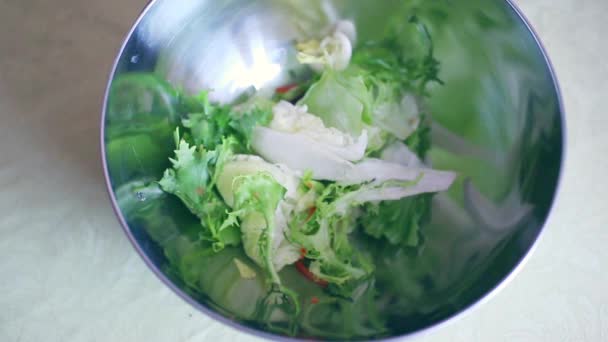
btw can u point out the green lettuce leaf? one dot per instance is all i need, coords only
(402, 59)
(323, 231)
(256, 198)
(396, 71)
(211, 122)
(344, 319)
(399, 221)
(341, 100)
(401, 63)
(258, 194)
(419, 142)
(192, 180)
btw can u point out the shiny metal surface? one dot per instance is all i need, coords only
(497, 120)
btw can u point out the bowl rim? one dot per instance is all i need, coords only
(405, 337)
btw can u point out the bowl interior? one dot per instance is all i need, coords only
(496, 121)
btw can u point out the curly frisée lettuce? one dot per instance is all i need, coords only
(280, 189)
(192, 179)
(209, 124)
(256, 200)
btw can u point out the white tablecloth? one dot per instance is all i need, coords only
(67, 272)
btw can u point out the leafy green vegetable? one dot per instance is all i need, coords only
(420, 141)
(242, 165)
(346, 319)
(340, 100)
(212, 122)
(244, 124)
(245, 271)
(323, 232)
(259, 195)
(192, 180)
(397, 221)
(333, 52)
(277, 212)
(396, 71)
(403, 58)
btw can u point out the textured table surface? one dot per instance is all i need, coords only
(67, 272)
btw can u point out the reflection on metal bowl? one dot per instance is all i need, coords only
(497, 121)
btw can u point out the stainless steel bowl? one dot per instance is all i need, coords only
(498, 121)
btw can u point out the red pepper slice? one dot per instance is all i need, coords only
(284, 89)
(311, 211)
(306, 273)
